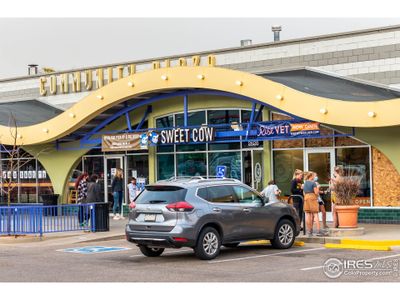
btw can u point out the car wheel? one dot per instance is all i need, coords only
(231, 245)
(208, 244)
(284, 235)
(151, 252)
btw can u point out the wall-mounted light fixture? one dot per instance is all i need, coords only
(323, 111)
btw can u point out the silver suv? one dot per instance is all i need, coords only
(206, 213)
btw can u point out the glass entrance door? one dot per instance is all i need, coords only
(252, 166)
(322, 162)
(111, 164)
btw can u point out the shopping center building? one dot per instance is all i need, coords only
(256, 112)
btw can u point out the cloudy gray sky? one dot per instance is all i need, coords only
(66, 43)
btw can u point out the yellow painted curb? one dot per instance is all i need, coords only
(265, 242)
(358, 247)
(371, 242)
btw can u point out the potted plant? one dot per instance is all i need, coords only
(346, 189)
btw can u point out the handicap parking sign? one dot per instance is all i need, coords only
(220, 171)
(93, 249)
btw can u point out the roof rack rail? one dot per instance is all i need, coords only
(198, 178)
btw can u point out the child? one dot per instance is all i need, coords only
(132, 190)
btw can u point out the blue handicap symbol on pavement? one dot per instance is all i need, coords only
(93, 249)
(220, 171)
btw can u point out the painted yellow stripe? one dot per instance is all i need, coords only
(358, 247)
(265, 242)
(372, 242)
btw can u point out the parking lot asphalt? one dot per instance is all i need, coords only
(250, 263)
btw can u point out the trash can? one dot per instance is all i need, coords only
(101, 221)
(50, 200)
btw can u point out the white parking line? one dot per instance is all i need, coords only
(169, 252)
(265, 255)
(371, 259)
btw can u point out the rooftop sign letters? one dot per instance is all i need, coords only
(91, 79)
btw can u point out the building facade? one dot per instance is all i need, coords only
(259, 112)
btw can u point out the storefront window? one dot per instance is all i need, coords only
(138, 166)
(223, 116)
(346, 141)
(285, 163)
(229, 159)
(246, 116)
(27, 178)
(44, 182)
(165, 122)
(94, 165)
(9, 182)
(321, 142)
(194, 118)
(191, 164)
(165, 166)
(355, 162)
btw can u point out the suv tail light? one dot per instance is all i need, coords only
(180, 206)
(132, 205)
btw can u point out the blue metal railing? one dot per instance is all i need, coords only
(16, 220)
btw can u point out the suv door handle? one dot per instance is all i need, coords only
(246, 210)
(217, 209)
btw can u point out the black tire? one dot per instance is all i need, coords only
(151, 252)
(231, 245)
(284, 235)
(208, 244)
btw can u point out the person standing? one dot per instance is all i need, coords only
(94, 190)
(81, 188)
(132, 190)
(272, 191)
(117, 188)
(297, 192)
(311, 206)
(321, 203)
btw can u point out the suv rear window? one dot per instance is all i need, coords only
(167, 194)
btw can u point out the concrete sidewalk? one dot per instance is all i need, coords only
(371, 232)
(117, 231)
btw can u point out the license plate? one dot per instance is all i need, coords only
(150, 217)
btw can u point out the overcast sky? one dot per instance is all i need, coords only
(76, 43)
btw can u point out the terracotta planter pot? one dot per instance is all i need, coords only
(347, 215)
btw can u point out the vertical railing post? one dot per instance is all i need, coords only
(93, 217)
(40, 221)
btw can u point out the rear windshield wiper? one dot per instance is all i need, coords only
(157, 201)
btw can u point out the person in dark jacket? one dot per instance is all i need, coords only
(296, 189)
(93, 195)
(94, 190)
(117, 187)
